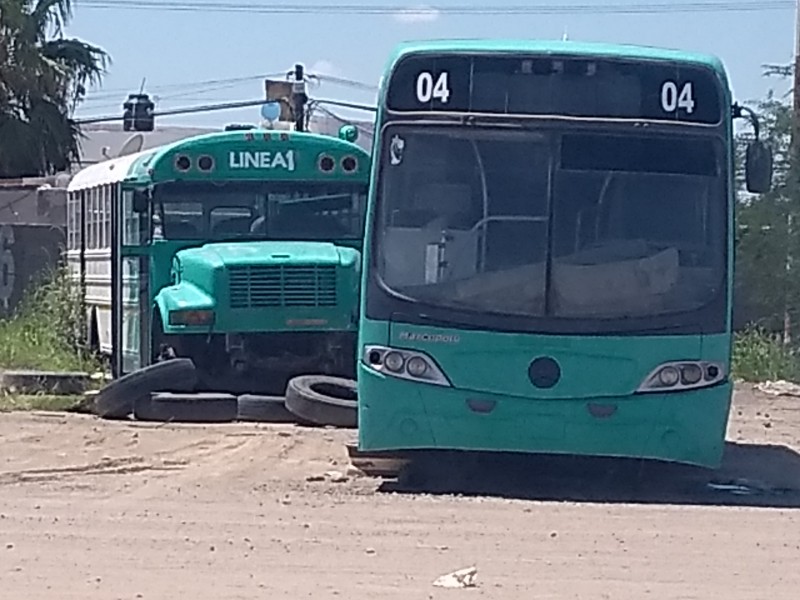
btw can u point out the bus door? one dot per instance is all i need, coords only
(130, 277)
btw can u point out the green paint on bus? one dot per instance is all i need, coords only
(241, 250)
(548, 252)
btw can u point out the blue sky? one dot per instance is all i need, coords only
(177, 51)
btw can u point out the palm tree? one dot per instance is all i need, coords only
(43, 78)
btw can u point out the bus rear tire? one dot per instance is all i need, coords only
(323, 400)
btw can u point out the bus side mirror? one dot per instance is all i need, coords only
(140, 202)
(758, 167)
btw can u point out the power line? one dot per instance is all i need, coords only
(178, 111)
(209, 85)
(344, 121)
(185, 85)
(217, 107)
(158, 98)
(354, 105)
(357, 85)
(506, 10)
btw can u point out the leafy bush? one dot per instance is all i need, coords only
(44, 333)
(760, 356)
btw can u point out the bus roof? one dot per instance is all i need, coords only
(113, 170)
(160, 165)
(563, 47)
(592, 50)
(141, 166)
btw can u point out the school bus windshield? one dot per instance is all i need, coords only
(275, 210)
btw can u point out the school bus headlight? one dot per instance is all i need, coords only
(191, 317)
(682, 375)
(405, 364)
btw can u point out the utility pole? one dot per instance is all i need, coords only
(796, 88)
(794, 171)
(299, 97)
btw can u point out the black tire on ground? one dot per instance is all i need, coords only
(264, 409)
(323, 400)
(117, 399)
(186, 408)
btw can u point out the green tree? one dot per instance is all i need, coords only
(765, 291)
(43, 78)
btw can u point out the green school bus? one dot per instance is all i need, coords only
(549, 251)
(239, 249)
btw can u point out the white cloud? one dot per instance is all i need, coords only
(419, 14)
(324, 67)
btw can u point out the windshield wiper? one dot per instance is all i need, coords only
(489, 122)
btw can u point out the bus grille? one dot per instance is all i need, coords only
(282, 286)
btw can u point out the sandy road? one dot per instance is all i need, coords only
(90, 509)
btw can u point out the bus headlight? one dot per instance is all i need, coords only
(394, 361)
(669, 376)
(405, 364)
(682, 375)
(691, 374)
(417, 366)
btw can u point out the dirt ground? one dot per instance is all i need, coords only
(104, 510)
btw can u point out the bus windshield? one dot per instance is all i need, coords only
(302, 210)
(558, 224)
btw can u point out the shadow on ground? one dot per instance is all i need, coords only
(751, 475)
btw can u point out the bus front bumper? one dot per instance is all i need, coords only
(684, 427)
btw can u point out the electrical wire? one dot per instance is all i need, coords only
(158, 98)
(463, 10)
(210, 85)
(112, 92)
(217, 107)
(17, 200)
(357, 85)
(344, 121)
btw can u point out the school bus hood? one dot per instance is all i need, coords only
(270, 253)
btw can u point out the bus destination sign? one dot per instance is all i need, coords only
(551, 85)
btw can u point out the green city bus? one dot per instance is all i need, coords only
(238, 249)
(549, 251)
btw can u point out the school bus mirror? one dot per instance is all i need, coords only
(348, 133)
(758, 167)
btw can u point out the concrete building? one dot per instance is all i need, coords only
(104, 141)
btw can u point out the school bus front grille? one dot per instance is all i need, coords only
(282, 286)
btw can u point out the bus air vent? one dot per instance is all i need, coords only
(271, 286)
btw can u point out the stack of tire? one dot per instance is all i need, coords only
(165, 392)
